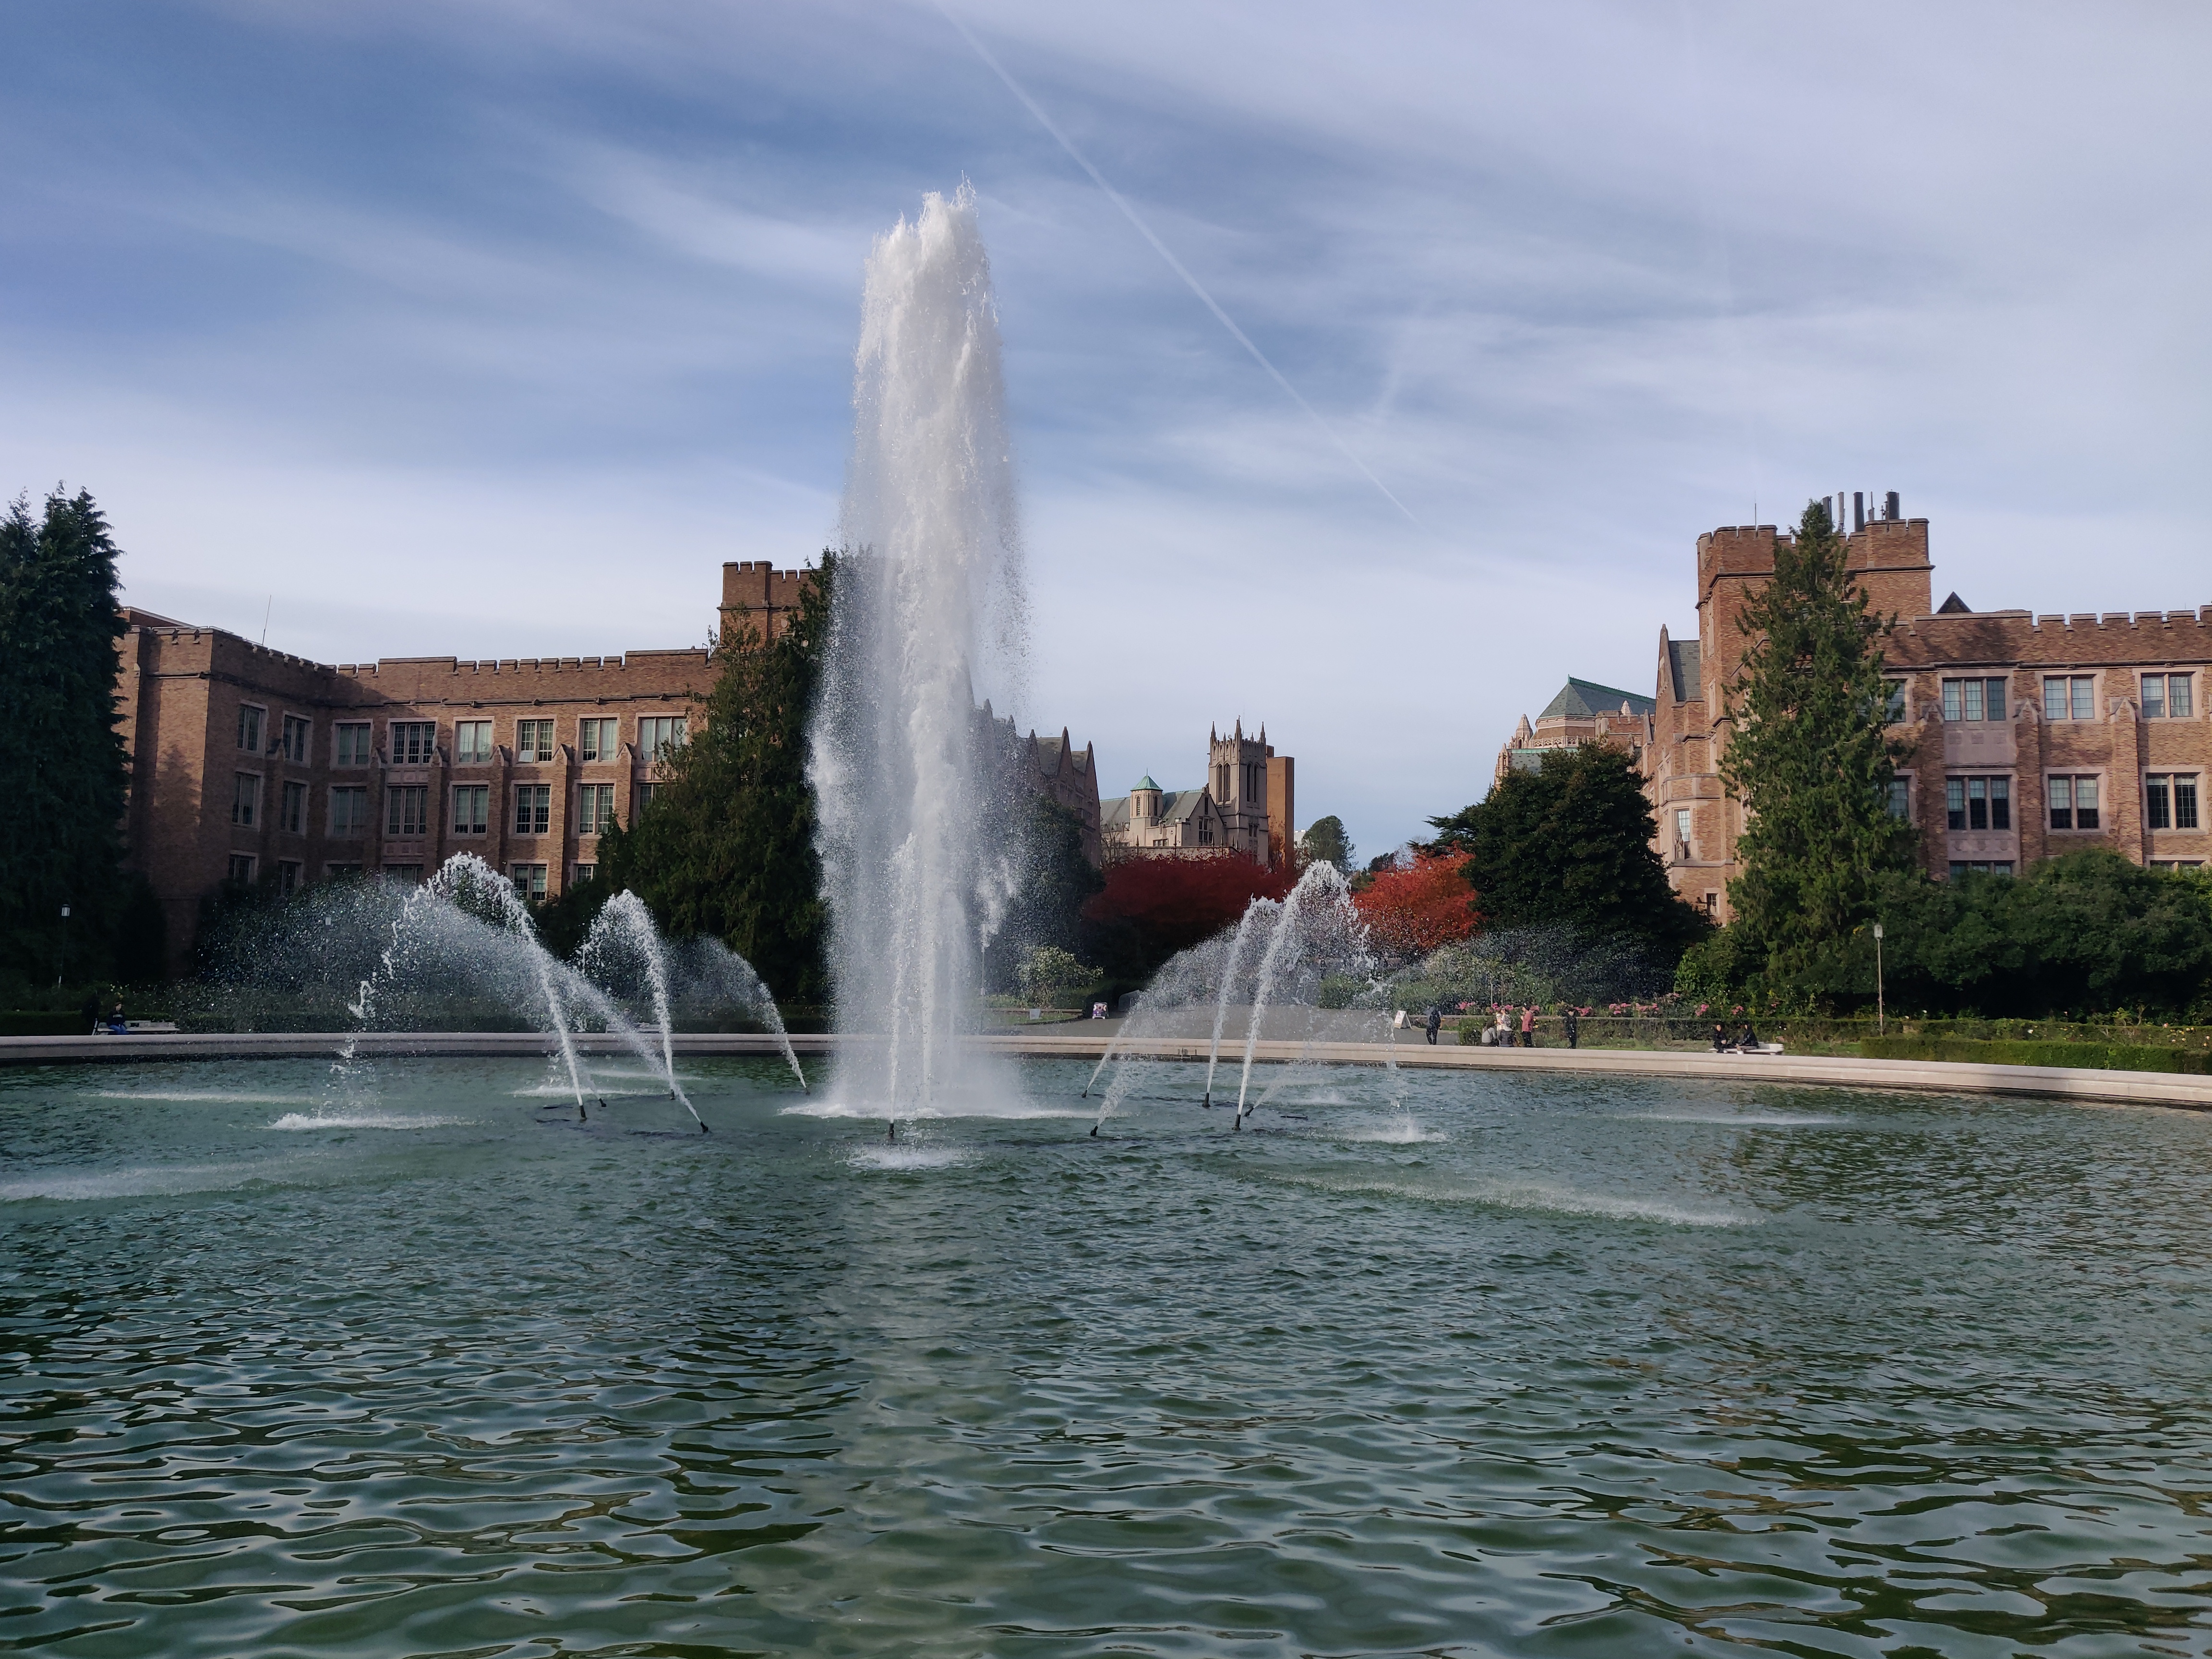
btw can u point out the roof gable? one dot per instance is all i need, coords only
(1585, 699)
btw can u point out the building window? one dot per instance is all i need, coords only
(2169, 800)
(1682, 831)
(472, 743)
(349, 811)
(1900, 798)
(1895, 711)
(598, 739)
(353, 746)
(2177, 864)
(288, 875)
(406, 811)
(529, 880)
(1973, 699)
(1979, 867)
(413, 742)
(595, 808)
(644, 795)
(250, 720)
(2073, 804)
(246, 799)
(2070, 696)
(658, 734)
(471, 809)
(533, 741)
(533, 809)
(2166, 697)
(1977, 803)
(299, 740)
(584, 872)
(410, 874)
(1712, 902)
(292, 814)
(241, 866)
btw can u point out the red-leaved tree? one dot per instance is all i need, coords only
(1152, 908)
(1421, 908)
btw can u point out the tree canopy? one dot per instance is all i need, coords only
(1053, 881)
(1809, 755)
(1569, 844)
(727, 847)
(1421, 908)
(1325, 842)
(1152, 908)
(63, 765)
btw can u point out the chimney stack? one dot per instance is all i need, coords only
(1889, 507)
(1858, 510)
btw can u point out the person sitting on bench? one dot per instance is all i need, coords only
(1720, 1039)
(1747, 1039)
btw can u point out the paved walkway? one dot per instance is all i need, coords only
(1085, 1040)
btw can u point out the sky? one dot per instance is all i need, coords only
(492, 327)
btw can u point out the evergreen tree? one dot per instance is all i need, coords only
(63, 767)
(1570, 844)
(1808, 756)
(727, 847)
(1053, 880)
(1325, 842)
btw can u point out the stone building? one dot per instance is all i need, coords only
(249, 764)
(2031, 736)
(1583, 712)
(1248, 806)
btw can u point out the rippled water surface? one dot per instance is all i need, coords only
(1536, 1366)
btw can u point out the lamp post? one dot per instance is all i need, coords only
(1881, 1015)
(61, 968)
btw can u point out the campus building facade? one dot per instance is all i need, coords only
(1583, 712)
(2029, 736)
(249, 765)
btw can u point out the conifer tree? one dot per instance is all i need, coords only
(1808, 756)
(1570, 844)
(63, 767)
(727, 846)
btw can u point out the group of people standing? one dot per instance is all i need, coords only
(1503, 1033)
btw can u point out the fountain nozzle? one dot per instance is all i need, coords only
(1094, 1132)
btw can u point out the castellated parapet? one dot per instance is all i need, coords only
(2013, 720)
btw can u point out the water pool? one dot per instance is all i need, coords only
(1545, 1365)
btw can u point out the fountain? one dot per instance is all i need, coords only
(468, 920)
(625, 955)
(1313, 981)
(928, 612)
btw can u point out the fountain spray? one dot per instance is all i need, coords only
(926, 613)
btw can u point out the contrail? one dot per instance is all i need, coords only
(1174, 264)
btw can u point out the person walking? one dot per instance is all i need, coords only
(1436, 1020)
(1504, 1029)
(1529, 1026)
(1574, 1027)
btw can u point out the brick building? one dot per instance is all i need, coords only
(1583, 712)
(251, 764)
(2032, 736)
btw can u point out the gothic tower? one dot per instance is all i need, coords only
(1238, 780)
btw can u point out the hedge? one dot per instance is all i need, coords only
(2098, 1056)
(36, 1023)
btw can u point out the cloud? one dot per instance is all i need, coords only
(491, 327)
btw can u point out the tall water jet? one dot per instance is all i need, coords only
(927, 614)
